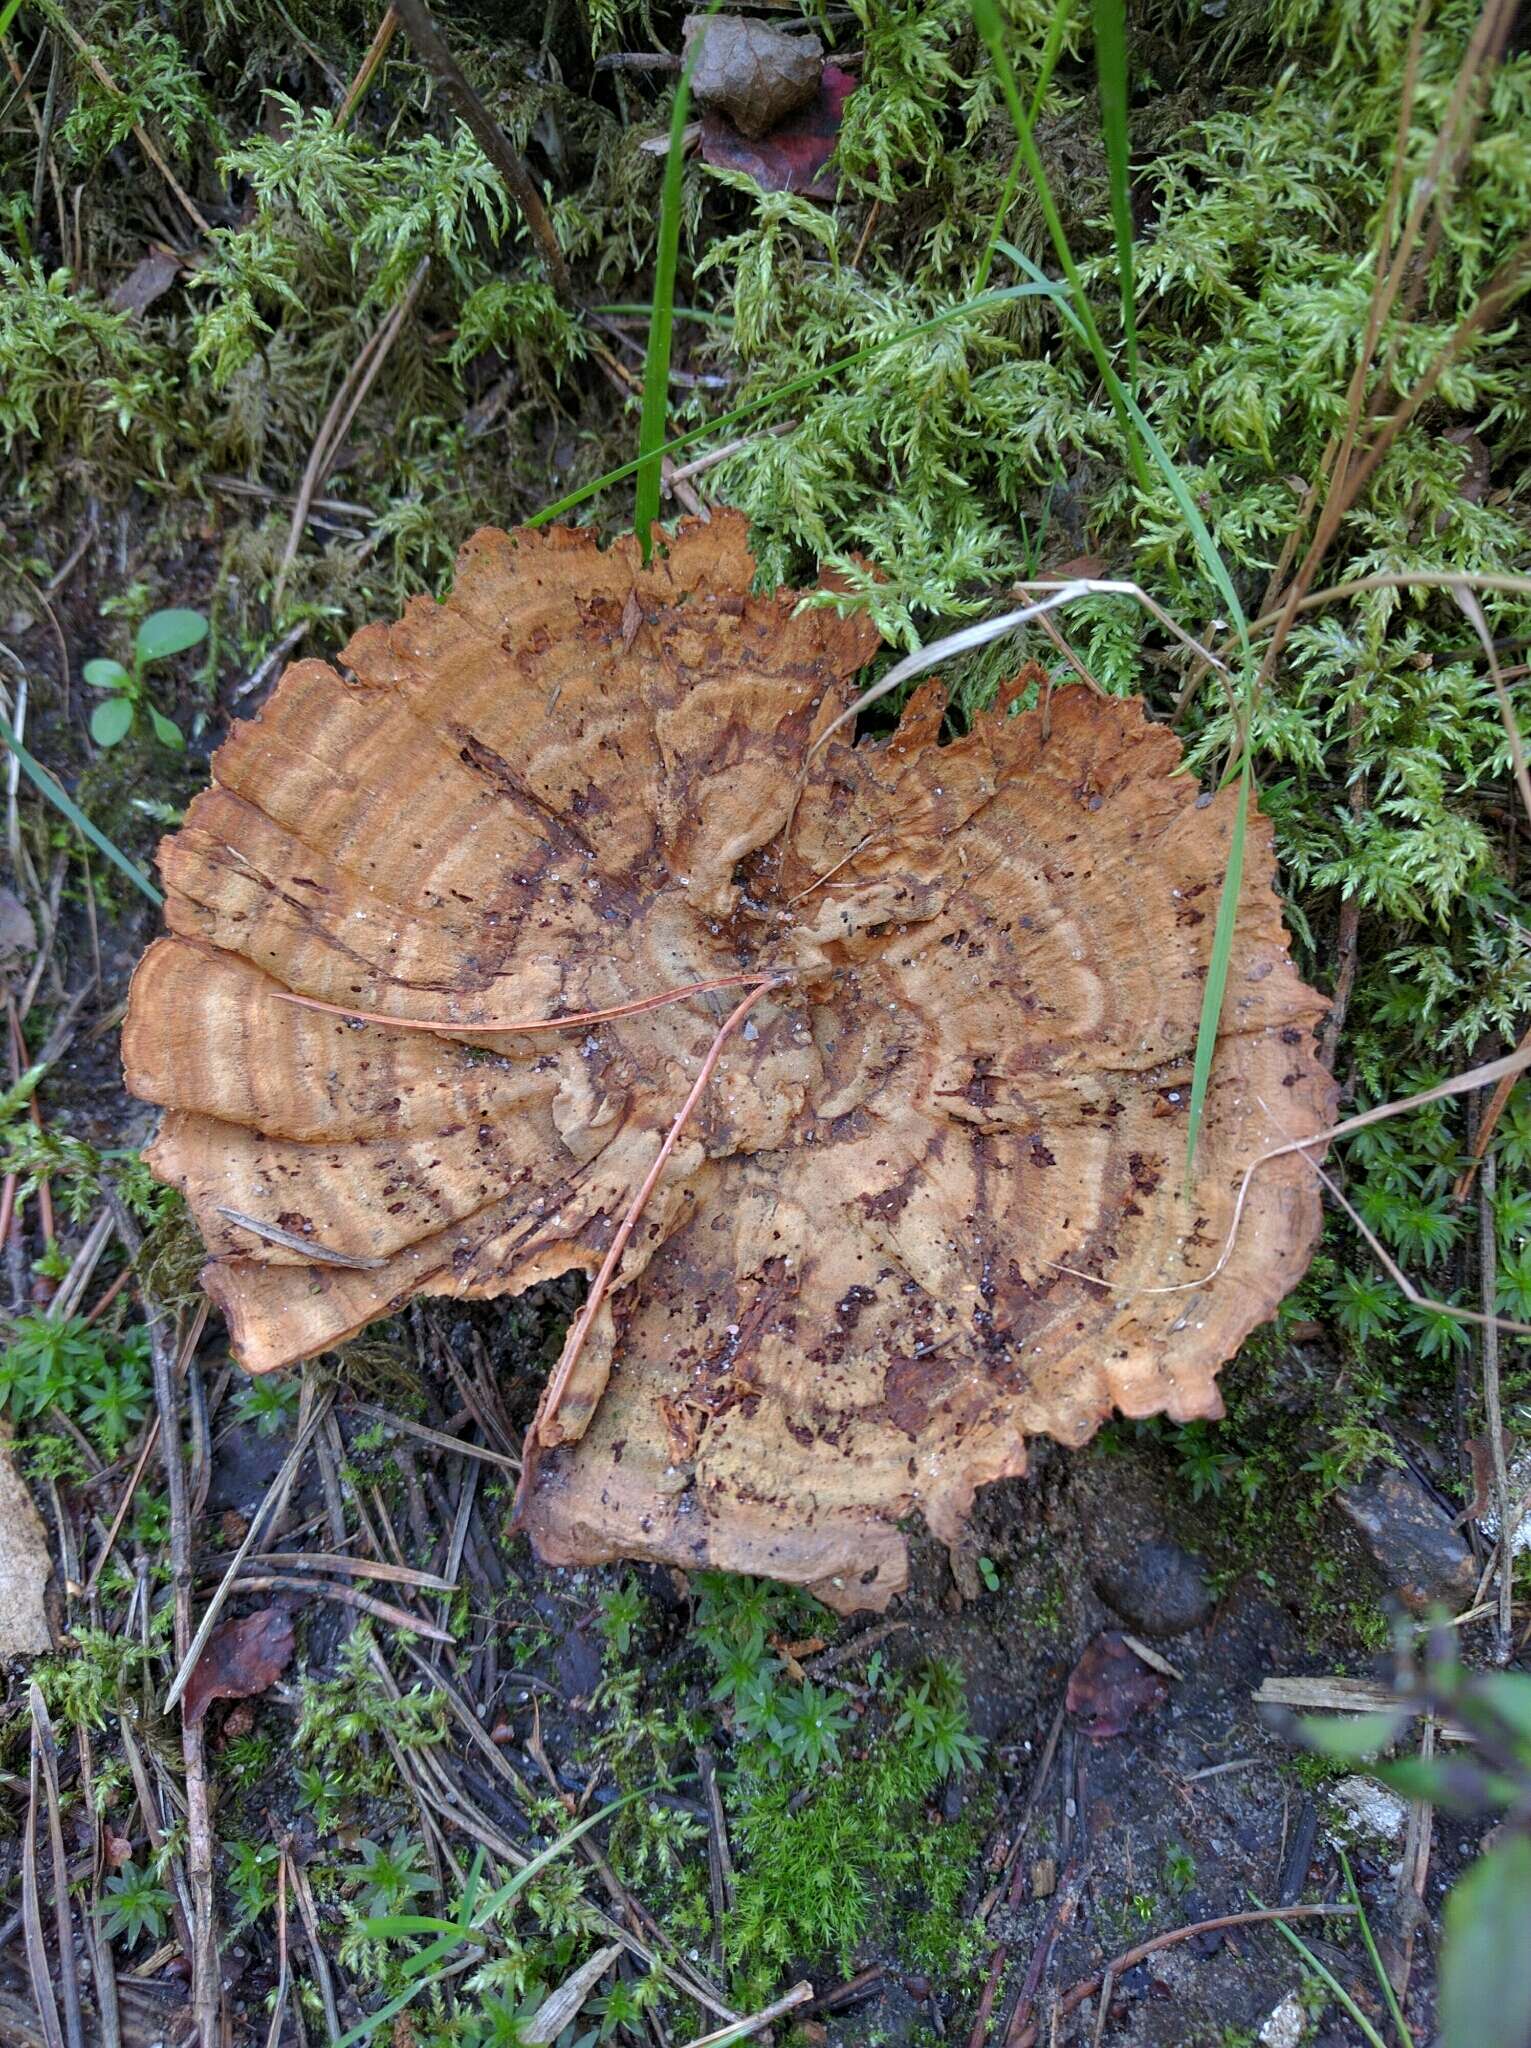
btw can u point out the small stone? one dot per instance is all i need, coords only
(1370, 1808)
(1044, 1878)
(1158, 1588)
(1286, 2025)
(1410, 1539)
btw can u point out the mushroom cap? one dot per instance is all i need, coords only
(930, 1203)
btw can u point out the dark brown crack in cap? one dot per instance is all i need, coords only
(929, 1201)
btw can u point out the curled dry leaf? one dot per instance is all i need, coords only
(242, 1659)
(925, 1198)
(753, 75)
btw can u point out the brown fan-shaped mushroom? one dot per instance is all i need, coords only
(928, 1200)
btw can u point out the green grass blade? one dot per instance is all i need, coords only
(795, 385)
(62, 801)
(698, 313)
(991, 28)
(390, 1926)
(1057, 27)
(1233, 876)
(1206, 547)
(8, 14)
(497, 1901)
(1330, 1982)
(1384, 1981)
(1217, 968)
(656, 367)
(1111, 74)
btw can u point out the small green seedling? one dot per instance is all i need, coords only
(161, 635)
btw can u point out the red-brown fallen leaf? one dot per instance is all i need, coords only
(115, 1849)
(242, 1658)
(795, 156)
(1109, 1687)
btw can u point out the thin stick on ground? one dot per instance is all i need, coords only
(459, 1446)
(741, 2030)
(336, 424)
(279, 1997)
(1414, 1872)
(579, 1018)
(45, 1751)
(276, 1494)
(367, 69)
(1493, 1412)
(109, 84)
(428, 40)
(44, 2002)
(1076, 1995)
(194, 1336)
(343, 1596)
(103, 1966)
(206, 1973)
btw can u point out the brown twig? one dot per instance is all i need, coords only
(1413, 1872)
(1495, 1110)
(741, 2029)
(42, 127)
(344, 1596)
(579, 1330)
(103, 1968)
(720, 1863)
(149, 1814)
(265, 1514)
(283, 1977)
(874, 214)
(310, 1919)
(336, 424)
(1348, 936)
(45, 1754)
(1014, 1875)
(206, 1974)
(1087, 1987)
(427, 39)
(367, 70)
(359, 1567)
(1488, 1255)
(150, 1440)
(109, 84)
(109, 1297)
(31, 1912)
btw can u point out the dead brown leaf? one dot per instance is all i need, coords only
(751, 74)
(922, 1207)
(1110, 1687)
(242, 1659)
(148, 280)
